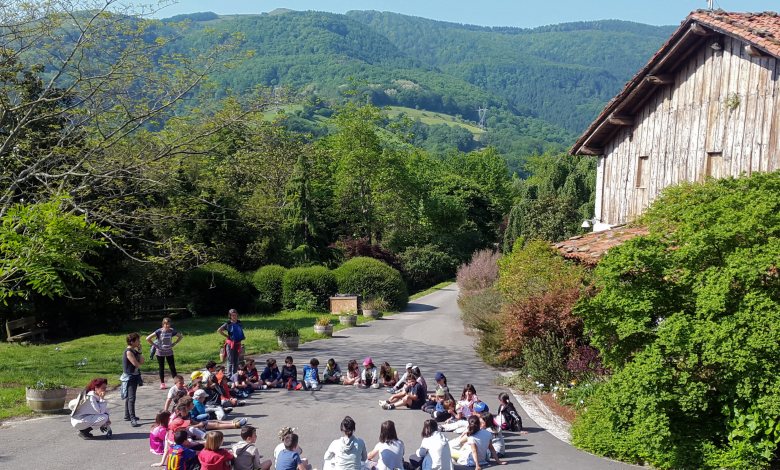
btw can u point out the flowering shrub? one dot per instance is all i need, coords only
(479, 273)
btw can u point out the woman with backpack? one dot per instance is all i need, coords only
(234, 334)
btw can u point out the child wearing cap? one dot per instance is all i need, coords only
(196, 382)
(200, 414)
(370, 375)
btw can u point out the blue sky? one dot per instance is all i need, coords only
(521, 13)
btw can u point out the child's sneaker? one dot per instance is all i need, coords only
(382, 403)
(162, 386)
(375, 385)
(299, 387)
(388, 406)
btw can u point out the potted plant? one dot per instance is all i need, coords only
(323, 326)
(348, 317)
(46, 396)
(372, 308)
(287, 337)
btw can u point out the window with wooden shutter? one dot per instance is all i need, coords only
(714, 166)
(641, 171)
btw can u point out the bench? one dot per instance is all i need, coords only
(24, 329)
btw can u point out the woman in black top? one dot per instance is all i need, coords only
(131, 366)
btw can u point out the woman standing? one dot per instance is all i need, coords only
(162, 341)
(234, 334)
(131, 368)
(389, 451)
(91, 410)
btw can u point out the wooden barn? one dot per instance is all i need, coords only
(707, 104)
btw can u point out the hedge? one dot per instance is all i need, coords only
(316, 279)
(214, 288)
(372, 278)
(268, 284)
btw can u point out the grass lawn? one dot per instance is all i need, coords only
(75, 362)
(431, 290)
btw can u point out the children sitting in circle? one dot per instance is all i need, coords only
(311, 375)
(332, 374)
(369, 377)
(290, 375)
(352, 376)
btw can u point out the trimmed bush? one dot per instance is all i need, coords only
(268, 283)
(372, 278)
(214, 288)
(318, 280)
(425, 266)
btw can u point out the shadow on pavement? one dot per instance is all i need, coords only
(415, 308)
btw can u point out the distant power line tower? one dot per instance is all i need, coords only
(482, 114)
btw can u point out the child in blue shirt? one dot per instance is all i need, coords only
(311, 376)
(288, 459)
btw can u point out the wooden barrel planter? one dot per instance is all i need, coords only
(288, 342)
(349, 320)
(326, 330)
(46, 401)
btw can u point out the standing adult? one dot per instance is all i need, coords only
(90, 410)
(162, 341)
(234, 334)
(131, 368)
(347, 452)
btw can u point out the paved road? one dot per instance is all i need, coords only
(429, 333)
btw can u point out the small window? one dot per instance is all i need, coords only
(641, 172)
(714, 166)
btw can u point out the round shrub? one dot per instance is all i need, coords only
(268, 284)
(372, 278)
(214, 288)
(428, 265)
(316, 279)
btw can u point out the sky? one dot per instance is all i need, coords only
(519, 13)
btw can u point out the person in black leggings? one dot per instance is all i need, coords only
(131, 365)
(162, 341)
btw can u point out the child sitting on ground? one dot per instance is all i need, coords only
(196, 382)
(387, 375)
(240, 387)
(487, 421)
(311, 375)
(352, 376)
(290, 374)
(370, 375)
(157, 435)
(180, 457)
(224, 390)
(507, 417)
(283, 433)
(332, 374)
(177, 391)
(271, 376)
(252, 375)
(288, 458)
(199, 413)
(246, 454)
(212, 457)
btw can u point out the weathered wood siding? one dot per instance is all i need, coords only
(721, 101)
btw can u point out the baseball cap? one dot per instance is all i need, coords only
(409, 365)
(196, 375)
(199, 393)
(367, 361)
(439, 376)
(440, 392)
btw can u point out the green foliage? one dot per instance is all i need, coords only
(287, 331)
(554, 200)
(43, 247)
(305, 300)
(688, 318)
(371, 278)
(426, 265)
(481, 311)
(214, 288)
(317, 280)
(268, 283)
(544, 359)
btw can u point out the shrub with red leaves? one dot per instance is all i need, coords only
(355, 247)
(549, 312)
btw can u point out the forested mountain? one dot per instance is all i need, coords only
(541, 86)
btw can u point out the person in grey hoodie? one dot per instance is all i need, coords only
(347, 452)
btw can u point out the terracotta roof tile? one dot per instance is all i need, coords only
(590, 248)
(759, 29)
